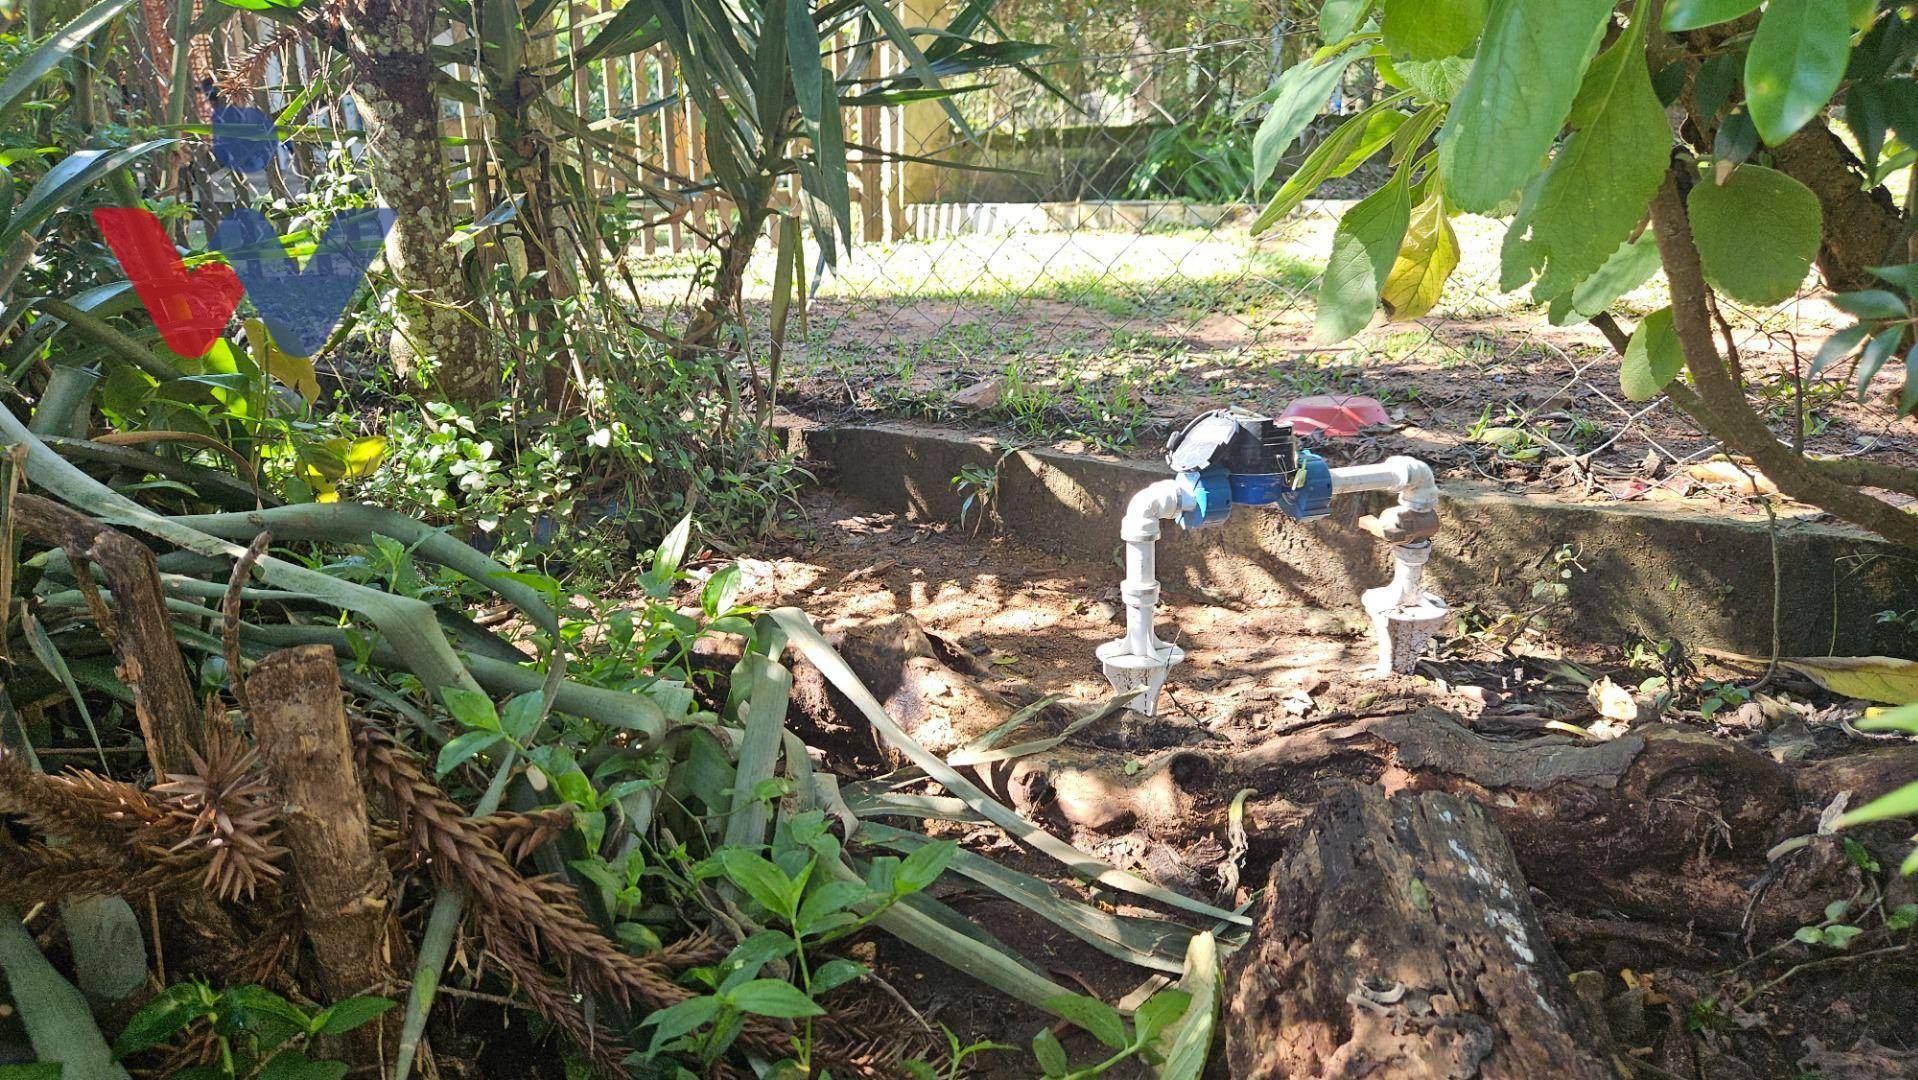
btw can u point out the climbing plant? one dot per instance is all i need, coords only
(1704, 137)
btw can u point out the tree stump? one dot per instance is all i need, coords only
(1398, 940)
(299, 721)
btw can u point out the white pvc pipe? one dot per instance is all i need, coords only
(1140, 589)
(1409, 477)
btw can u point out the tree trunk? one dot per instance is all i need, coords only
(299, 722)
(1398, 941)
(438, 314)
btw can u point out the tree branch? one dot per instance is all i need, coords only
(1731, 418)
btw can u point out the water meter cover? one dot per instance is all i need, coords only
(1192, 449)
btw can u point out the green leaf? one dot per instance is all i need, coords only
(1692, 14)
(471, 708)
(1301, 92)
(1190, 1039)
(754, 953)
(1898, 718)
(1871, 304)
(1339, 18)
(1426, 258)
(1348, 147)
(670, 1023)
(1504, 119)
(1795, 63)
(832, 897)
(1434, 81)
(1051, 1056)
(1882, 346)
(168, 1014)
(350, 1014)
(672, 550)
(1364, 247)
(923, 867)
(1629, 267)
(1905, 277)
(1888, 679)
(1098, 1019)
(835, 974)
(1159, 1012)
(26, 73)
(1840, 937)
(262, 1013)
(721, 592)
(1653, 357)
(1713, 84)
(1597, 188)
(761, 880)
(1757, 233)
(774, 997)
(1432, 29)
(462, 748)
(522, 715)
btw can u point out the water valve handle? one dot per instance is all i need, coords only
(1308, 491)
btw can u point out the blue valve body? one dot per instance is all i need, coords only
(1216, 490)
(1212, 497)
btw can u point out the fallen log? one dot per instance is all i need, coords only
(1397, 941)
(1662, 823)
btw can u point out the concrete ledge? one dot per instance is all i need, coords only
(1702, 579)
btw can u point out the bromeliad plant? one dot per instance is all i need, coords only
(1700, 136)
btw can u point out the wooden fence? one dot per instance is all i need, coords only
(635, 103)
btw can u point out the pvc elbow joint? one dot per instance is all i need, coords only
(1154, 503)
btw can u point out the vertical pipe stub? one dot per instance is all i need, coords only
(1227, 458)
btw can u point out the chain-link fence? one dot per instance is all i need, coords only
(1081, 271)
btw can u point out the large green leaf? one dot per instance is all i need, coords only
(27, 72)
(1692, 14)
(1189, 1039)
(1514, 102)
(1348, 147)
(1796, 60)
(72, 175)
(1364, 247)
(55, 1015)
(1629, 267)
(1596, 191)
(1889, 679)
(1432, 29)
(1757, 233)
(1299, 95)
(1434, 81)
(1339, 18)
(1653, 357)
(1425, 260)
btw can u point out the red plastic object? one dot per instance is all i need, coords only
(1336, 415)
(190, 307)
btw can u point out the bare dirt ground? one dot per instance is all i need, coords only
(1687, 1002)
